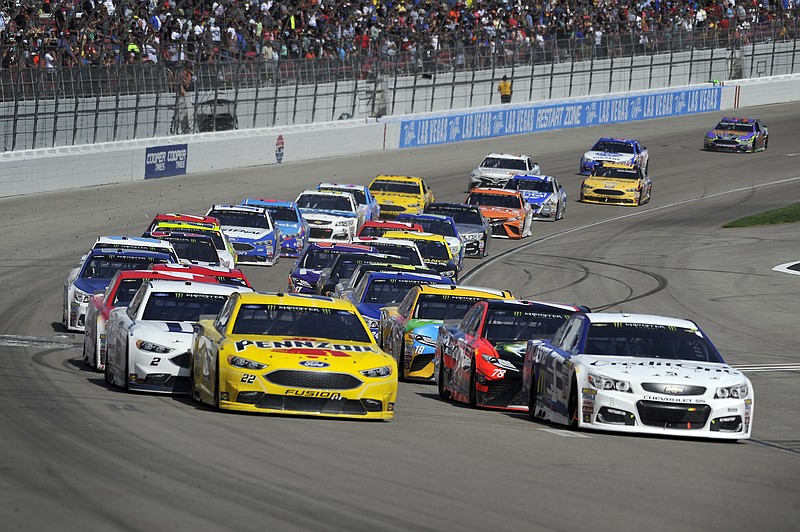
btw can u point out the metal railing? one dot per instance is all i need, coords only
(65, 106)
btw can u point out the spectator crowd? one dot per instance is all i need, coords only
(48, 34)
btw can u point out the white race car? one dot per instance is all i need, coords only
(332, 216)
(497, 168)
(637, 373)
(148, 342)
(256, 239)
(127, 242)
(620, 151)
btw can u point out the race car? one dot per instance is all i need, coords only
(472, 226)
(618, 184)
(497, 168)
(378, 289)
(98, 268)
(368, 207)
(127, 242)
(192, 248)
(409, 331)
(148, 342)
(637, 373)
(344, 288)
(621, 151)
(546, 196)
(479, 361)
(286, 216)
(398, 194)
(190, 223)
(344, 264)
(400, 247)
(255, 238)
(313, 258)
(119, 293)
(292, 354)
(223, 275)
(332, 216)
(440, 224)
(738, 135)
(434, 249)
(509, 215)
(379, 227)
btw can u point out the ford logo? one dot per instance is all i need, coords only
(314, 364)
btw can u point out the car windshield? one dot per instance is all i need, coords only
(735, 126)
(105, 267)
(358, 194)
(215, 234)
(400, 187)
(504, 163)
(443, 306)
(125, 291)
(616, 173)
(461, 215)
(194, 249)
(317, 259)
(613, 146)
(324, 202)
(535, 185)
(388, 290)
(182, 306)
(407, 252)
(433, 250)
(494, 200)
(507, 325)
(300, 321)
(283, 214)
(241, 219)
(649, 341)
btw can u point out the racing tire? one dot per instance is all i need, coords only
(572, 409)
(486, 248)
(85, 351)
(107, 372)
(766, 143)
(215, 396)
(401, 370)
(192, 389)
(440, 381)
(125, 382)
(532, 396)
(473, 394)
(753, 147)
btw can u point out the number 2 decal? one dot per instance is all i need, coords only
(155, 361)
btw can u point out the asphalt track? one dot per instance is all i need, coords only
(78, 455)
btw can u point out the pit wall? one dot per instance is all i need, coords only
(46, 170)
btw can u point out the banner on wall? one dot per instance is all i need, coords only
(165, 161)
(544, 117)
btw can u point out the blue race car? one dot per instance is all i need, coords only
(286, 216)
(622, 151)
(251, 232)
(738, 135)
(380, 289)
(546, 196)
(315, 257)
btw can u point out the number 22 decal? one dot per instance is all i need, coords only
(248, 379)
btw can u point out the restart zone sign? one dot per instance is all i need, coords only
(518, 120)
(164, 161)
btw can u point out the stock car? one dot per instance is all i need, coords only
(439, 224)
(637, 373)
(128, 242)
(380, 227)
(255, 238)
(223, 275)
(343, 266)
(286, 216)
(315, 257)
(509, 215)
(344, 288)
(738, 135)
(472, 226)
(368, 207)
(546, 196)
(618, 184)
(434, 250)
(332, 216)
(97, 270)
(119, 293)
(148, 342)
(619, 151)
(409, 331)
(190, 223)
(398, 194)
(479, 361)
(292, 354)
(497, 168)
(377, 289)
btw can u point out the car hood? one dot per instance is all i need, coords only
(730, 135)
(319, 214)
(660, 370)
(396, 198)
(468, 229)
(611, 183)
(289, 228)
(167, 333)
(312, 276)
(609, 156)
(499, 172)
(90, 286)
(500, 213)
(536, 197)
(371, 310)
(246, 233)
(429, 328)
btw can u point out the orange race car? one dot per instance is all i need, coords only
(507, 211)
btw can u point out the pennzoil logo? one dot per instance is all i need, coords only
(306, 347)
(320, 394)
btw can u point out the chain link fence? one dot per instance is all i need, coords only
(68, 106)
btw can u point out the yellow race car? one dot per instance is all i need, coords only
(618, 184)
(399, 194)
(292, 354)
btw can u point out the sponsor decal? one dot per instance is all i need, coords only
(589, 391)
(321, 394)
(662, 399)
(306, 347)
(314, 364)
(165, 161)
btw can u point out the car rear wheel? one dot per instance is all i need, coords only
(532, 396)
(401, 362)
(473, 394)
(440, 380)
(572, 410)
(215, 397)
(127, 369)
